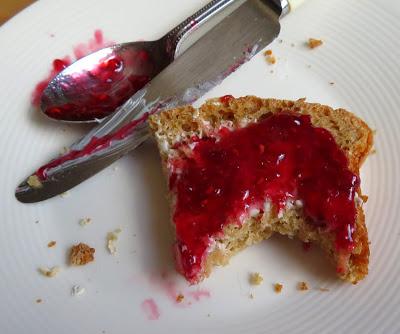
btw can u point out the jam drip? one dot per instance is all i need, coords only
(95, 145)
(281, 158)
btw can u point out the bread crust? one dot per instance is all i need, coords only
(351, 134)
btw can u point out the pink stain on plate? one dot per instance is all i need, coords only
(96, 43)
(198, 294)
(150, 308)
(165, 284)
(168, 286)
(170, 290)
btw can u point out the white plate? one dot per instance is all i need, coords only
(360, 55)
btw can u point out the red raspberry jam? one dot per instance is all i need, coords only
(107, 86)
(97, 92)
(81, 50)
(57, 66)
(96, 144)
(283, 157)
(225, 99)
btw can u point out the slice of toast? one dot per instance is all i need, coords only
(179, 131)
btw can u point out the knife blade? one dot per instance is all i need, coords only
(217, 54)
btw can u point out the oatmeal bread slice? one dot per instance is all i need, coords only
(307, 156)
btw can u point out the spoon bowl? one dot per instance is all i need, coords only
(96, 85)
(93, 87)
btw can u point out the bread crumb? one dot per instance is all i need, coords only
(85, 221)
(271, 60)
(65, 194)
(323, 289)
(269, 57)
(81, 254)
(256, 279)
(179, 298)
(302, 286)
(112, 238)
(313, 43)
(49, 272)
(331, 83)
(38, 301)
(278, 287)
(34, 182)
(77, 291)
(65, 150)
(51, 244)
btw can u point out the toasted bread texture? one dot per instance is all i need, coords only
(351, 134)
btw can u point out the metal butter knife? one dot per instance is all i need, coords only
(232, 42)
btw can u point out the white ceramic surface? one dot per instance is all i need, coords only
(360, 55)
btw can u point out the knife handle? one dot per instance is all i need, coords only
(293, 4)
(287, 6)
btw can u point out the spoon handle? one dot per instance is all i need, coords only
(178, 34)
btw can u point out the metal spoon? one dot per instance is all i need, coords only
(94, 86)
